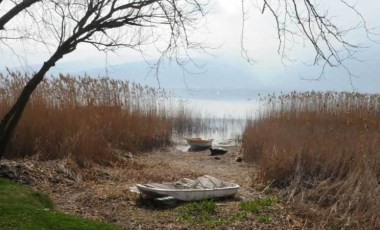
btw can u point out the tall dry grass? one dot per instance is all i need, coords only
(324, 149)
(86, 118)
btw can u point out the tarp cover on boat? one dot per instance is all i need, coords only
(203, 182)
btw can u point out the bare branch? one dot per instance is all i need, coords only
(305, 19)
(15, 11)
(107, 25)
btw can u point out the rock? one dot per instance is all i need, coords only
(14, 171)
(239, 159)
(134, 189)
(217, 158)
(217, 151)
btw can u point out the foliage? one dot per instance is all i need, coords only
(324, 149)
(23, 208)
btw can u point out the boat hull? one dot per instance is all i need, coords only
(199, 143)
(190, 194)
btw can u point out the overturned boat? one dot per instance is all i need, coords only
(205, 187)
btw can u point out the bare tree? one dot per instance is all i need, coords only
(107, 25)
(61, 25)
(309, 21)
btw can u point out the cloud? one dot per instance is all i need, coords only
(223, 31)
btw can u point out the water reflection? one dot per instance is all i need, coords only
(221, 120)
(226, 109)
(225, 132)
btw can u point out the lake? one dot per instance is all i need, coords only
(224, 113)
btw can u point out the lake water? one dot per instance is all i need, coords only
(224, 111)
(227, 103)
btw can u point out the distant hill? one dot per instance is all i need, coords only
(212, 75)
(218, 75)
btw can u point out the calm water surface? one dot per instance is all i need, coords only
(224, 119)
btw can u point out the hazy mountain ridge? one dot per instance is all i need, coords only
(220, 76)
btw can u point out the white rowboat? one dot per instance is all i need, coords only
(201, 191)
(196, 142)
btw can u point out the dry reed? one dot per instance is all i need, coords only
(324, 148)
(86, 118)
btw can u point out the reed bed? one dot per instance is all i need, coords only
(185, 120)
(323, 149)
(189, 120)
(86, 118)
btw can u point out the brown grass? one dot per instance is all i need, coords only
(324, 148)
(86, 118)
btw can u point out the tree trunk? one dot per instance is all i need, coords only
(11, 119)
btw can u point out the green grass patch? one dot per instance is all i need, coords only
(257, 205)
(264, 219)
(23, 208)
(205, 213)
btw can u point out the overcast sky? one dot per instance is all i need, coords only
(223, 31)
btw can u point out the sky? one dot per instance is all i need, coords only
(222, 32)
